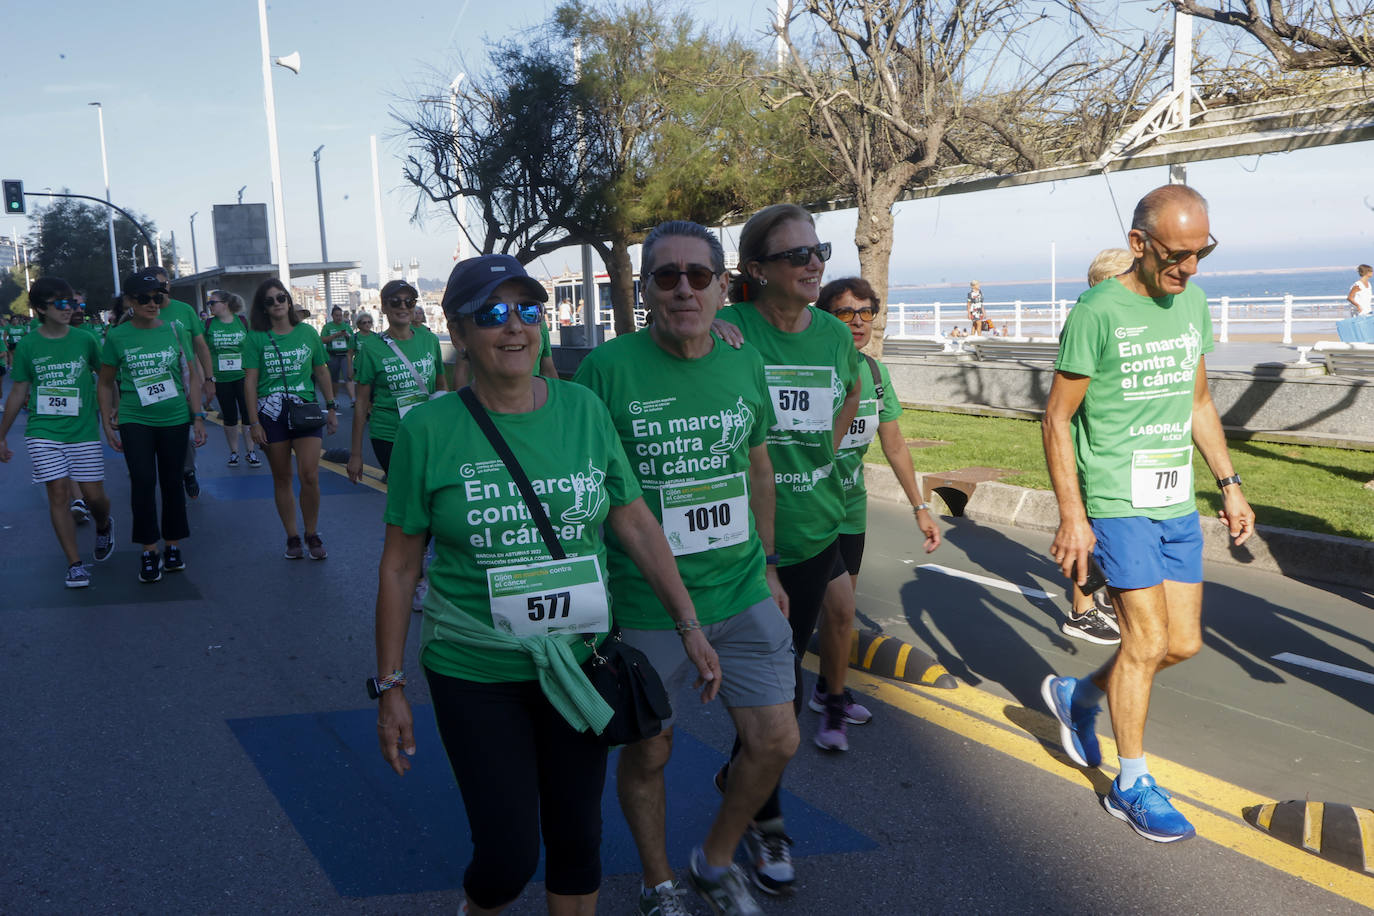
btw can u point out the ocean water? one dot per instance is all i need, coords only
(1333, 282)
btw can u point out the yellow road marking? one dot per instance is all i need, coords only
(372, 477)
(1365, 818)
(872, 651)
(1212, 805)
(899, 670)
(1312, 826)
(1265, 816)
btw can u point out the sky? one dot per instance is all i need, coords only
(181, 86)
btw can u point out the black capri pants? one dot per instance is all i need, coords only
(805, 584)
(232, 405)
(522, 771)
(155, 455)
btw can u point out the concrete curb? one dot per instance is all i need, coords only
(1297, 554)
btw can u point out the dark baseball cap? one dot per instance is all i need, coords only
(390, 290)
(474, 279)
(144, 280)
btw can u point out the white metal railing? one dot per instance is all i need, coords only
(1044, 318)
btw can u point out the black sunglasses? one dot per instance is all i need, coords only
(145, 298)
(495, 314)
(279, 299)
(698, 277)
(398, 303)
(800, 257)
(846, 314)
(1171, 258)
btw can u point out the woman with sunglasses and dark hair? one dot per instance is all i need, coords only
(54, 372)
(226, 333)
(395, 371)
(812, 372)
(283, 362)
(509, 697)
(853, 301)
(159, 388)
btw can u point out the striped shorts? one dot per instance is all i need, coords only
(81, 461)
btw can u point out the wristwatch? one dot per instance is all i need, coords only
(376, 686)
(1224, 482)
(770, 560)
(331, 405)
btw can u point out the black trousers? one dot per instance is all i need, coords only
(522, 771)
(382, 449)
(155, 455)
(805, 584)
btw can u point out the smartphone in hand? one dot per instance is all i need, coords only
(1097, 579)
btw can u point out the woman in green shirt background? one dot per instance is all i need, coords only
(283, 361)
(338, 341)
(226, 333)
(146, 417)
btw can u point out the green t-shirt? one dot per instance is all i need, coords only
(1132, 435)
(226, 342)
(15, 333)
(293, 370)
(545, 347)
(181, 313)
(339, 345)
(62, 404)
(150, 362)
(687, 427)
(93, 330)
(808, 375)
(874, 408)
(379, 366)
(447, 480)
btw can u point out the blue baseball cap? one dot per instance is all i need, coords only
(473, 280)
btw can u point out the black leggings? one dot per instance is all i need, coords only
(232, 405)
(521, 770)
(154, 455)
(382, 449)
(805, 584)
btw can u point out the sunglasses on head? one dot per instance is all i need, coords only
(495, 314)
(698, 277)
(846, 314)
(145, 298)
(279, 299)
(1171, 258)
(398, 303)
(800, 257)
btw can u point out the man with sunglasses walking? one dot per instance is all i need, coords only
(1128, 403)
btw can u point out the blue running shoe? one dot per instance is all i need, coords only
(1077, 724)
(1146, 807)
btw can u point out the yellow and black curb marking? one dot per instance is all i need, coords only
(892, 658)
(1341, 834)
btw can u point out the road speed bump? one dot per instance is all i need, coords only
(888, 657)
(1341, 834)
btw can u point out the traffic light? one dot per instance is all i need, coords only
(14, 198)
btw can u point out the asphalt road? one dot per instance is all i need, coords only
(205, 745)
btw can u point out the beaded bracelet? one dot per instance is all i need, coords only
(686, 626)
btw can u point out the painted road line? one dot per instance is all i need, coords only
(342, 471)
(1302, 661)
(986, 721)
(986, 580)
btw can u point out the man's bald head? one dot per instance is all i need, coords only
(1170, 197)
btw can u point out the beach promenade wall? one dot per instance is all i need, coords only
(1326, 410)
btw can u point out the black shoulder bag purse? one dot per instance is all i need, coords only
(301, 416)
(619, 672)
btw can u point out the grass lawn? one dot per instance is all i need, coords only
(1290, 486)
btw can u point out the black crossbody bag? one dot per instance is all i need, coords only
(619, 672)
(301, 416)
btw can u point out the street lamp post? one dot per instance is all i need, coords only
(195, 260)
(105, 166)
(270, 108)
(324, 248)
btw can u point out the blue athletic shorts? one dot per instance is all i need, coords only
(1139, 552)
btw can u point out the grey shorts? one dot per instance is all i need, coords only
(755, 652)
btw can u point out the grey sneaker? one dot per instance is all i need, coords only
(77, 576)
(770, 860)
(664, 900)
(727, 897)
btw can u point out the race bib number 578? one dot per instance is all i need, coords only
(802, 396)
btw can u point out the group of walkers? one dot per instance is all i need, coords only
(694, 493)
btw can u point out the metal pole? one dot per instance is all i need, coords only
(270, 108)
(1183, 84)
(195, 259)
(105, 167)
(463, 251)
(324, 248)
(157, 247)
(383, 267)
(1053, 297)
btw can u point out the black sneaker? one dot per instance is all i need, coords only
(80, 514)
(233, 459)
(171, 559)
(1094, 626)
(151, 568)
(253, 460)
(104, 541)
(188, 479)
(77, 576)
